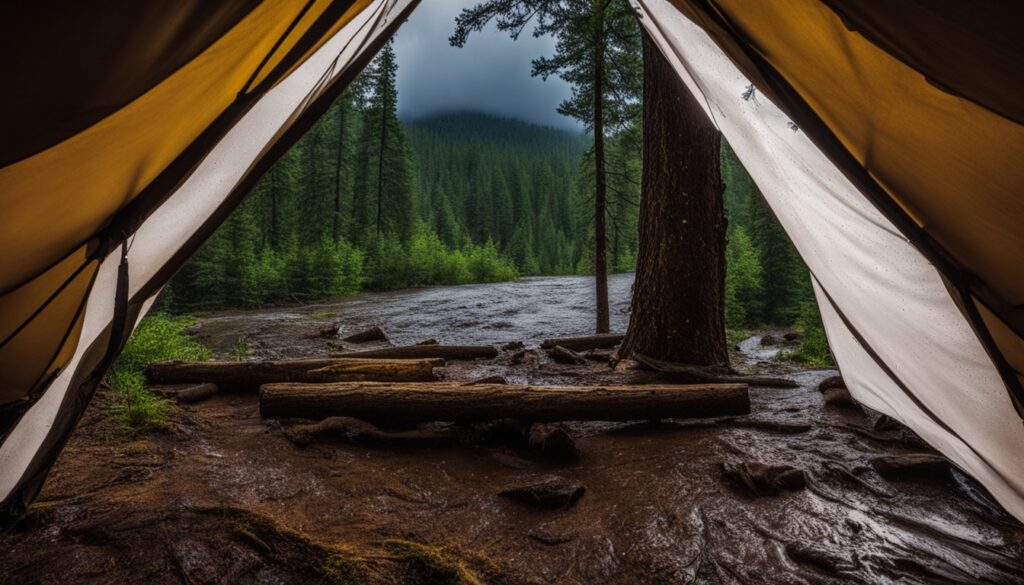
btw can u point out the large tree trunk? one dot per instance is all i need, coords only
(678, 307)
(407, 403)
(600, 193)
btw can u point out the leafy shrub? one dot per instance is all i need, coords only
(813, 349)
(157, 338)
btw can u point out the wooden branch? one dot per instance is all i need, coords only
(601, 340)
(415, 402)
(251, 375)
(451, 352)
(709, 374)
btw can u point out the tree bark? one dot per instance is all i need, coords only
(600, 192)
(678, 306)
(397, 403)
(251, 375)
(453, 352)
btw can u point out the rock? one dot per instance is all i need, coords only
(513, 346)
(565, 356)
(371, 334)
(761, 479)
(793, 336)
(549, 492)
(769, 340)
(553, 441)
(831, 382)
(430, 341)
(545, 534)
(523, 356)
(912, 466)
(839, 397)
(330, 331)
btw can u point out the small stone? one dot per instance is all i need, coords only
(548, 492)
(513, 346)
(768, 340)
(839, 397)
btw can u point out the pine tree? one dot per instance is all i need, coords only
(598, 53)
(385, 199)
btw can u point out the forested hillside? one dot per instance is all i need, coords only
(366, 201)
(484, 178)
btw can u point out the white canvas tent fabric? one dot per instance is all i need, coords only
(163, 234)
(929, 369)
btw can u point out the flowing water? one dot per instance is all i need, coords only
(527, 310)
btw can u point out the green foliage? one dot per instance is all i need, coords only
(743, 285)
(813, 349)
(157, 338)
(136, 405)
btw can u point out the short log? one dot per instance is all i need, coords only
(400, 403)
(599, 341)
(450, 352)
(252, 375)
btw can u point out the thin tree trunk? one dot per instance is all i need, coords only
(600, 190)
(679, 293)
(337, 171)
(380, 160)
(273, 210)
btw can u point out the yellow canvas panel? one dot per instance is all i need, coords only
(34, 350)
(74, 187)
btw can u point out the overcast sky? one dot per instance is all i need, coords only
(490, 74)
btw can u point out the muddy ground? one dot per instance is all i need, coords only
(223, 496)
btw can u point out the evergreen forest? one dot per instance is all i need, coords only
(368, 202)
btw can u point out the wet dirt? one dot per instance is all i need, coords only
(222, 496)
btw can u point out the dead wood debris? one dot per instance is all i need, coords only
(687, 373)
(565, 355)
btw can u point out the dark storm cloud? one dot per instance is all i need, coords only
(490, 74)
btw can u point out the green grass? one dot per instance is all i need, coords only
(734, 336)
(157, 338)
(813, 350)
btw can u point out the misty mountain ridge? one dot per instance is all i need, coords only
(502, 131)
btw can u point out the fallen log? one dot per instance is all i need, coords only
(564, 355)
(251, 375)
(709, 375)
(371, 334)
(185, 393)
(397, 403)
(599, 341)
(196, 393)
(451, 352)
